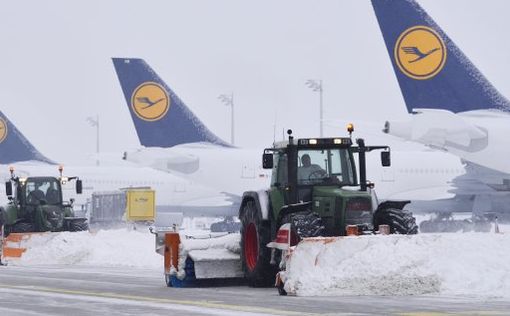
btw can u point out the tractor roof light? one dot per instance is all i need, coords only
(350, 128)
(344, 141)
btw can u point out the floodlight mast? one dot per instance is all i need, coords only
(316, 86)
(228, 100)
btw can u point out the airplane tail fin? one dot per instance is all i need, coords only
(431, 70)
(14, 147)
(161, 119)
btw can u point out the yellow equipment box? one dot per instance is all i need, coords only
(141, 205)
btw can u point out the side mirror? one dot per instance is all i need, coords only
(79, 187)
(8, 188)
(385, 159)
(267, 161)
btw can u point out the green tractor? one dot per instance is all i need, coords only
(315, 188)
(36, 205)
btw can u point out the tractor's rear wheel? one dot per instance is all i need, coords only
(78, 226)
(400, 221)
(255, 256)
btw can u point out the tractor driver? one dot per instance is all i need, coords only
(308, 171)
(37, 195)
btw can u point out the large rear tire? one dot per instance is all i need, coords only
(400, 221)
(255, 255)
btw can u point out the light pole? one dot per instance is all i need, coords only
(228, 100)
(95, 122)
(316, 85)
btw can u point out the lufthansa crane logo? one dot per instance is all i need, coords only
(420, 52)
(3, 130)
(150, 101)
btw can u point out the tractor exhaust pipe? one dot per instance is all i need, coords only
(362, 164)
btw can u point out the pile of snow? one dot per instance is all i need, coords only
(472, 264)
(119, 248)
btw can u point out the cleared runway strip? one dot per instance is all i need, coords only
(78, 290)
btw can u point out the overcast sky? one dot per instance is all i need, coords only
(56, 68)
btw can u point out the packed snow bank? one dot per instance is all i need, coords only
(472, 264)
(119, 247)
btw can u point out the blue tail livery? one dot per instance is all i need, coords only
(161, 119)
(431, 70)
(14, 147)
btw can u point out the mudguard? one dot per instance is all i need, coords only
(261, 199)
(393, 204)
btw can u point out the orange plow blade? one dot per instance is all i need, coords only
(14, 245)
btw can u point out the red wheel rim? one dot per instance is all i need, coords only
(251, 247)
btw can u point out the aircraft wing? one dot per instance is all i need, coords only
(227, 205)
(440, 129)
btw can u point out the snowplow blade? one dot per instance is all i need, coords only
(314, 253)
(14, 245)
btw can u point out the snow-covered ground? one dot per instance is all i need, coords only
(466, 264)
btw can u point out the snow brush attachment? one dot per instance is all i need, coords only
(200, 260)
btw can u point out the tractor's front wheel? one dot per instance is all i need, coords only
(255, 255)
(400, 221)
(304, 224)
(78, 226)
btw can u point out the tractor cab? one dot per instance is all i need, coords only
(311, 163)
(41, 191)
(319, 174)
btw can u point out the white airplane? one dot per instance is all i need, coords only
(173, 193)
(452, 106)
(175, 140)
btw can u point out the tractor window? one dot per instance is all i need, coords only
(325, 166)
(43, 190)
(279, 175)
